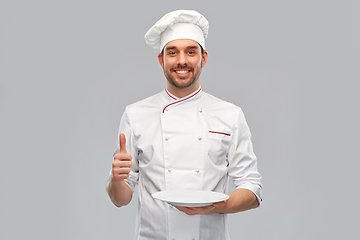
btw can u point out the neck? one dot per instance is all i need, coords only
(182, 92)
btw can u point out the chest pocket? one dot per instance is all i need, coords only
(219, 145)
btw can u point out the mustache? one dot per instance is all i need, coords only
(182, 66)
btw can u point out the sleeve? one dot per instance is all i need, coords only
(125, 127)
(242, 160)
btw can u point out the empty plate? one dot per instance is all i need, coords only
(190, 198)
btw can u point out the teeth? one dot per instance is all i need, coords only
(182, 72)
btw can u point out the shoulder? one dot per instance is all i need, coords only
(146, 108)
(152, 101)
(216, 104)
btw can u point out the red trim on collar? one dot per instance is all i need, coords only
(169, 94)
(181, 100)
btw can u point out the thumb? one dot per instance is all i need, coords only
(122, 139)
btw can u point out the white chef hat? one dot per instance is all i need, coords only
(180, 24)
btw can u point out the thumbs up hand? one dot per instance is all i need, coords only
(122, 161)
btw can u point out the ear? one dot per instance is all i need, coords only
(204, 58)
(161, 60)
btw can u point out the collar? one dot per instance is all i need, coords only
(175, 100)
(171, 96)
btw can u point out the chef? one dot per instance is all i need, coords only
(183, 139)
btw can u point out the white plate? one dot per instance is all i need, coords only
(190, 198)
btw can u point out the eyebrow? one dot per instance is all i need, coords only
(173, 47)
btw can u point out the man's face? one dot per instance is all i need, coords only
(182, 62)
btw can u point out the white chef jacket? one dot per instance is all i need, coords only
(194, 143)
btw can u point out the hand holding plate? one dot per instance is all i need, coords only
(206, 210)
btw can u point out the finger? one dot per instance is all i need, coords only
(122, 141)
(210, 209)
(121, 163)
(119, 177)
(121, 171)
(123, 156)
(186, 210)
(121, 174)
(219, 204)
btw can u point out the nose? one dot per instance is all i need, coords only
(182, 59)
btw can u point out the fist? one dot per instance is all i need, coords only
(122, 161)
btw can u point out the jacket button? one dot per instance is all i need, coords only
(166, 139)
(200, 138)
(197, 170)
(169, 170)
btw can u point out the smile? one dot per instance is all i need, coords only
(182, 72)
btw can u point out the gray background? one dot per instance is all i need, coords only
(68, 69)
